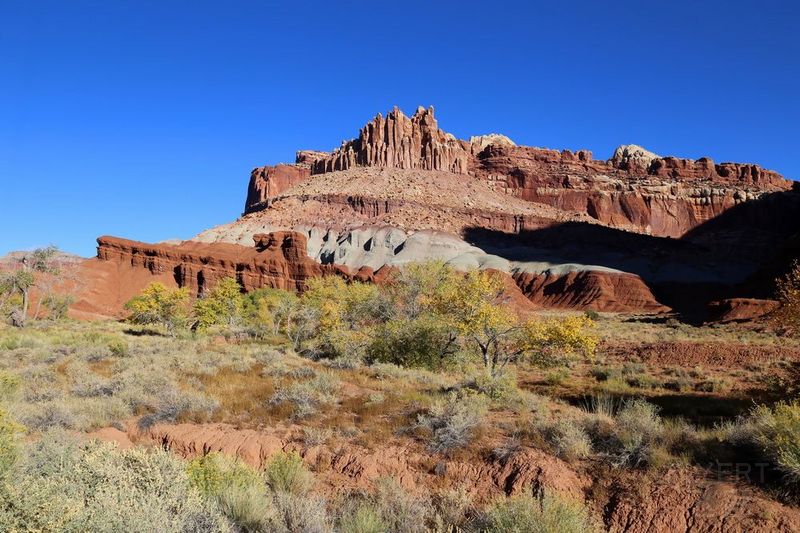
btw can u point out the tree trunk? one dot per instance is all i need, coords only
(25, 303)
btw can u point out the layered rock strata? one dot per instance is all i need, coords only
(278, 260)
(398, 141)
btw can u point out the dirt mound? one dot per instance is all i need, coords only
(349, 466)
(688, 500)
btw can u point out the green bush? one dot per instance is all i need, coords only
(10, 435)
(501, 386)
(286, 472)
(60, 485)
(222, 305)
(776, 431)
(422, 342)
(569, 440)
(527, 514)
(158, 305)
(249, 507)
(216, 472)
(637, 435)
(361, 517)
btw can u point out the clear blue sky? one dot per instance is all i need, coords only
(143, 119)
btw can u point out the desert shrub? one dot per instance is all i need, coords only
(248, 507)
(425, 341)
(296, 513)
(308, 396)
(642, 381)
(604, 373)
(117, 347)
(285, 472)
(95, 487)
(568, 439)
(592, 315)
(550, 514)
(450, 508)
(57, 305)
(222, 305)
(557, 376)
(9, 385)
(238, 490)
(636, 436)
(452, 423)
(158, 305)
(49, 415)
(712, 385)
(400, 511)
(215, 472)
(86, 384)
(314, 436)
(680, 380)
(501, 386)
(345, 362)
(776, 431)
(10, 435)
(361, 517)
(174, 403)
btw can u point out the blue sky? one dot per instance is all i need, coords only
(143, 119)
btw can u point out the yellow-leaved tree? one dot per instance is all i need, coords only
(159, 305)
(788, 294)
(222, 305)
(476, 305)
(343, 315)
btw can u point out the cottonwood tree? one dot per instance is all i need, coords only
(475, 306)
(223, 305)
(788, 294)
(158, 305)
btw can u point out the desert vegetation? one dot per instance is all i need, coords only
(435, 363)
(35, 287)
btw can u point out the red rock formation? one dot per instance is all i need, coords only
(268, 182)
(596, 290)
(278, 260)
(668, 198)
(740, 309)
(400, 142)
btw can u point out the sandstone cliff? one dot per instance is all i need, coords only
(278, 260)
(400, 142)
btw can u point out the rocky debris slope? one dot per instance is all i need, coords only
(684, 499)
(354, 467)
(688, 499)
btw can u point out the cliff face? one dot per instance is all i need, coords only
(268, 182)
(278, 260)
(665, 197)
(635, 190)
